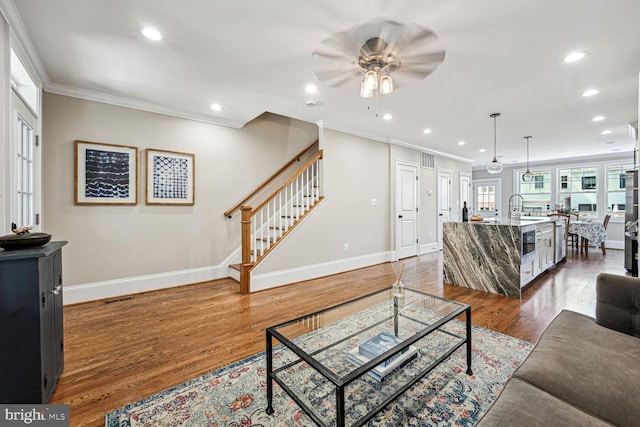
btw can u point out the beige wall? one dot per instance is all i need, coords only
(114, 242)
(355, 170)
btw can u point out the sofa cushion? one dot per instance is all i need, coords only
(618, 303)
(589, 366)
(521, 404)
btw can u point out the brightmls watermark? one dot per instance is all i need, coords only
(34, 415)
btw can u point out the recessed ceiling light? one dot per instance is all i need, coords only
(605, 132)
(311, 88)
(426, 131)
(216, 107)
(151, 33)
(598, 119)
(461, 142)
(387, 116)
(482, 150)
(575, 56)
(590, 92)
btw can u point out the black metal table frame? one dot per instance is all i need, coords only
(340, 383)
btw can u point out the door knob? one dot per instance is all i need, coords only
(399, 216)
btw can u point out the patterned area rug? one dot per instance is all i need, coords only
(235, 396)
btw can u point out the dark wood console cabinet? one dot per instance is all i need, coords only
(31, 329)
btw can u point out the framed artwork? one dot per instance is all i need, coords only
(106, 174)
(169, 177)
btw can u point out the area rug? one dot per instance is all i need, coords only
(235, 396)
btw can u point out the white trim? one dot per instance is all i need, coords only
(133, 285)
(140, 105)
(428, 248)
(395, 142)
(614, 244)
(274, 279)
(152, 282)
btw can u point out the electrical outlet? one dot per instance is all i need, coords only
(346, 247)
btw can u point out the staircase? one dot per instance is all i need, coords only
(267, 225)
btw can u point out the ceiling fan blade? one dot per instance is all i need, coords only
(343, 44)
(416, 73)
(319, 56)
(341, 81)
(423, 59)
(333, 76)
(421, 39)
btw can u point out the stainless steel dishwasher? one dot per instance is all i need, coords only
(561, 247)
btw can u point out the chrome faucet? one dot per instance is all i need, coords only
(512, 206)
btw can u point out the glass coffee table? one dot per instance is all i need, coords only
(321, 365)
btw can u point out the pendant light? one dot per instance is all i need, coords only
(495, 166)
(527, 176)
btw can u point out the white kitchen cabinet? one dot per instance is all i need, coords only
(544, 247)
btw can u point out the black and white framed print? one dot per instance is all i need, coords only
(106, 174)
(169, 177)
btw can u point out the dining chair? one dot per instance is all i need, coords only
(605, 222)
(576, 241)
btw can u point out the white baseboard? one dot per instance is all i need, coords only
(279, 278)
(427, 248)
(614, 244)
(152, 282)
(133, 285)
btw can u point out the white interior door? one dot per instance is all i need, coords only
(406, 210)
(444, 201)
(465, 192)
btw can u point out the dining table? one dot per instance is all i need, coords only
(589, 232)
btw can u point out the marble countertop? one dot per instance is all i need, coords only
(522, 222)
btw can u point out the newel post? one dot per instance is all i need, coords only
(245, 277)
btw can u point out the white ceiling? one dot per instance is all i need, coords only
(254, 56)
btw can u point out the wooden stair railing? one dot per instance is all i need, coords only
(265, 226)
(262, 186)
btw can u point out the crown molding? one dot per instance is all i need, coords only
(119, 101)
(395, 142)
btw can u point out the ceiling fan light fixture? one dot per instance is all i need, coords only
(365, 92)
(386, 84)
(495, 166)
(371, 80)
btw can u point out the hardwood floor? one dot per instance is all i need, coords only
(120, 351)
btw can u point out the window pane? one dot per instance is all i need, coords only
(536, 193)
(578, 189)
(616, 183)
(24, 163)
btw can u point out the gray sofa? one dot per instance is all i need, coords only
(583, 371)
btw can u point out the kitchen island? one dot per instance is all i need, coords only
(501, 256)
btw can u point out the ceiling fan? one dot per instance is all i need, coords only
(376, 50)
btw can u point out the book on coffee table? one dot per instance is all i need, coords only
(378, 344)
(380, 371)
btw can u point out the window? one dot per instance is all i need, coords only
(616, 183)
(579, 190)
(486, 198)
(536, 194)
(24, 173)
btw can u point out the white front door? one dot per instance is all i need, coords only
(444, 201)
(406, 210)
(487, 195)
